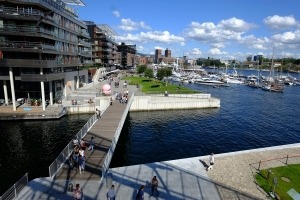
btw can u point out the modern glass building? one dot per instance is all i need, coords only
(44, 50)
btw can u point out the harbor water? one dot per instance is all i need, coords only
(31, 146)
(248, 118)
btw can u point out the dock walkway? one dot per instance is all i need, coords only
(103, 131)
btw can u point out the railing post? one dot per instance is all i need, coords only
(15, 189)
(287, 157)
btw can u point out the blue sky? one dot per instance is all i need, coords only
(222, 29)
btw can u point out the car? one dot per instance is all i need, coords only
(2, 101)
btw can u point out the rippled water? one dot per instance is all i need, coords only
(248, 118)
(31, 146)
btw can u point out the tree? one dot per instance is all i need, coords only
(163, 72)
(141, 69)
(149, 73)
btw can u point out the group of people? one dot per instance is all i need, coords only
(111, 194)
(78, 158)
(123, 98)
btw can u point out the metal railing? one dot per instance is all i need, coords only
(15, 190)
(184, 94)
(111, 150)
(64, 155)
(285, 160)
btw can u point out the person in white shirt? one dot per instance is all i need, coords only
(111, 194)
(211, 161)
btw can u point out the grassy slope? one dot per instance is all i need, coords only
(155, 86)
(292, 172)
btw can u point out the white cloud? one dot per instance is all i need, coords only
(279, 22)
(141, 48)
(155, 36)
(129, 38)
(129, 25)
(218, 45)
(235, 25)
(216, 51)
(116, 13)
(158, 47)
(287, 37)
(196, 51)
(226, 30)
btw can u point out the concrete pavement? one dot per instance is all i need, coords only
(231, 178)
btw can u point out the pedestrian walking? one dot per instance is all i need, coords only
(111, 100)
(111, 194)
(98, 113)
(154, 186)
(77, 192)
(140, 193)
(81, 163)
(211, 161)
(92, 144)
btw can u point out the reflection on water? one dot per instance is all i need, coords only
(31, 146)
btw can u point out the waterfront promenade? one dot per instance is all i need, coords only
(231, 178)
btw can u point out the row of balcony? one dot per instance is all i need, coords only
(26, 45)
(60, 5)
(29, 63)
(21, 29)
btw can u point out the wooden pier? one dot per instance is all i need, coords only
(103, 131)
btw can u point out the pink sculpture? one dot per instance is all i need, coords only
(106, 89)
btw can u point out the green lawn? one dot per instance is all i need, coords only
(288, 177)
(151, 85)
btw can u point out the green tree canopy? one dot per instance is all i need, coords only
(141, 69)
(149, 73)
(163, 72)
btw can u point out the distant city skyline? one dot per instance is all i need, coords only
(232, 29)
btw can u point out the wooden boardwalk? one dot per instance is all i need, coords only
(103, 131)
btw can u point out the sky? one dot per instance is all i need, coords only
(219, 29)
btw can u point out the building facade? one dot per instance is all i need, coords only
(127, 53)
(157, 56)
(104, 45)
(45, 50)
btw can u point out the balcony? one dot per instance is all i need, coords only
(23, 29)
(8, 45)
(35, 63)
(84, 43)
(43, 77)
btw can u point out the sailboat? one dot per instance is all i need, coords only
(272, 85)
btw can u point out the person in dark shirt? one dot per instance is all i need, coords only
(140, 194)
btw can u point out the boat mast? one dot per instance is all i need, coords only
(272, 63)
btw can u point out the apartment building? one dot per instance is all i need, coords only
(128, 55)
(104, 46)
(44, 49)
